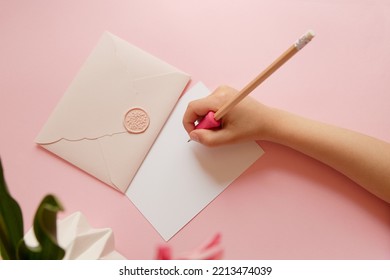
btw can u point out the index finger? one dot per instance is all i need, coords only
(196, 110)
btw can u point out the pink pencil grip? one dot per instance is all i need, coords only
(208, 122)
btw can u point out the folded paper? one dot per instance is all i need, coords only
(91, 128)
(178, 178)
(80, 241)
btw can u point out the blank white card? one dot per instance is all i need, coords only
(178, 179)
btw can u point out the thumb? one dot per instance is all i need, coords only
(211, 138)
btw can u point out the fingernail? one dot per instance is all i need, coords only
(194, 137)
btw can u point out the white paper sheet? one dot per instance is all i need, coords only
(178, 179)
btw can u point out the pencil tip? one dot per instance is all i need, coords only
(189, 140)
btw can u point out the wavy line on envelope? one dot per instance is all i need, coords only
(85, 138)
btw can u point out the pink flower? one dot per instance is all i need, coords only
(211, 250)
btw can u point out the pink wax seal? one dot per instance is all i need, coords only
(136, 120)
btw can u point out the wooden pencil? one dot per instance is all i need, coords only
(290, 52)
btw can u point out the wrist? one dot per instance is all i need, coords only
(276, 124)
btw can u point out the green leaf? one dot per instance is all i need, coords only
(11, 221)
(45, 230)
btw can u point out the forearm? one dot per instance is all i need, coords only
(363, 159)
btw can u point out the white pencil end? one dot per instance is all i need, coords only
(310, 34)
(304, 40)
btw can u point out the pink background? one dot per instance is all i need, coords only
(286, 206)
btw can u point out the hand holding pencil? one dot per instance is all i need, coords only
(212, 118)
(248, 120)
(363, 159)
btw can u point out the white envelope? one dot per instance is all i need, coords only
(87, 126)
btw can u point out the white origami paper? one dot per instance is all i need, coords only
(81, 241)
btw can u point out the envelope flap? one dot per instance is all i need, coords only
(101, 93)
(141, 65)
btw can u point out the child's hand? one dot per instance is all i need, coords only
(248, 120)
